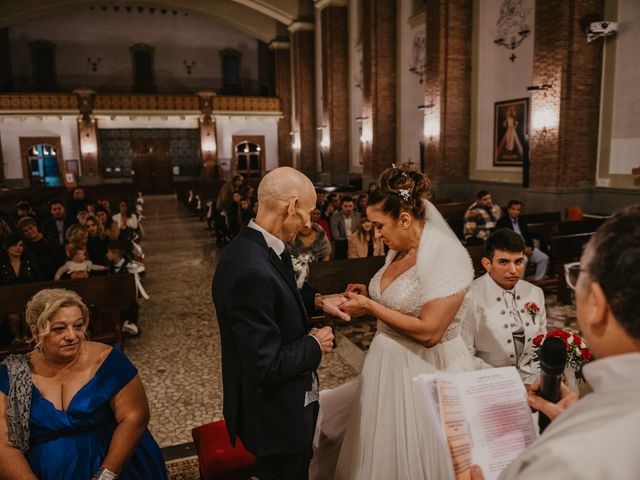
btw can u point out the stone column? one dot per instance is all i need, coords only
(87, 136)
(335, 89)
(565, 116)
(447, 122)
(303, 68)
(6, 75)
(379, 86)
(208, 138)
(282, 54)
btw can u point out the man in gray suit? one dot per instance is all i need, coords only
(345, 221)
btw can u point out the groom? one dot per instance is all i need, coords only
(268, 358)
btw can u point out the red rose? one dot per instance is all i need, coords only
(576, 339)
(586, 354)
(538, 340)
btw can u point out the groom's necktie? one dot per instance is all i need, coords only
(288, 263)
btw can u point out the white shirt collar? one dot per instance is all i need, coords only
(618, 372)
(498, 288)
(273, 242)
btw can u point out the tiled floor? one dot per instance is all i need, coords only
(178, 352)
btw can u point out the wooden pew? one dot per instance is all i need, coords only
(542, 217)
(335, 275)
(567, 249)
(453, 213)
(105, 296)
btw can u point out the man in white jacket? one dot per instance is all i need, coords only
(502, 314)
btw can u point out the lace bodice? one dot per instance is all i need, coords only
(404, 294)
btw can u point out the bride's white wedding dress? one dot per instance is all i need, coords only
(388, 434)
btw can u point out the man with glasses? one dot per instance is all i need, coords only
(502, 314)
(597, 437)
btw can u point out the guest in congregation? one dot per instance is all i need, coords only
(225, 195)
(58, 223)
(77, 203)
(97, 241)
(81, 216)
(16, 267)
(343, 223)
(373, 186)
(269, 356)
(361, 204)
(47, 254)
(502, 314)
(77, 237)
(5, 230)
(364, 242)
(316, 217)
(72, 408)
(480, 218)
(514, 221)
(321, 196)
(120, 265)
(78, 266)
(330, 206)
(248, 192)
(23, 209)
(233, 214)
(310, 245)
(110, 227)
(126, 218)
(597, 437)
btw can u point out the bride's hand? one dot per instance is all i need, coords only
(358, 288)
(356, 305)
(331, 304)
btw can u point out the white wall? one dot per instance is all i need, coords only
(410, 90)
(498, 79)
(227, 126)
(147, 121)
(12, 128)
(625, 135)
(108, 35)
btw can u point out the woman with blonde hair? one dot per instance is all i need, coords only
(73, 408)
(97, 241)
(364, 242)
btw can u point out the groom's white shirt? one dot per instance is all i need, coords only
(487, 330)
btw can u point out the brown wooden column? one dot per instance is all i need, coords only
(304, 124)
(6, 75)
(208, 138)
(565, 117)
(87, 136)
(282, 60)
(379, 85)
(335, 89)
(447, 122)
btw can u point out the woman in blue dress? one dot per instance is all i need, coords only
(71, 408)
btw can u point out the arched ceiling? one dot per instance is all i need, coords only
(258, 18)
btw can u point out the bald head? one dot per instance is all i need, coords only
(283, 184)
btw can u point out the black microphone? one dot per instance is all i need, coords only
(553, 357)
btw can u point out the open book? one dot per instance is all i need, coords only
(483, 418)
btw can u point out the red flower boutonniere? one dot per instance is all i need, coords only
(532, 309)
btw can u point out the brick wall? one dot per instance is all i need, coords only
(335, 91)
(283, 91)
(565, 154)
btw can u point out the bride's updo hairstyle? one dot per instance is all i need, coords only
(402, 190)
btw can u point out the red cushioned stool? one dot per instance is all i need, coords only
(218, 459)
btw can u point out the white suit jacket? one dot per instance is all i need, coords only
(486, 325)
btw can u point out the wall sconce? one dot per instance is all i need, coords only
(544, 119)
(366, 136)
(536, 88)
(431, 128)
(93, 63)
(189, 66)
(296, 141)
(89, 148)
(419, 56)
(208, 146)
(325, 141)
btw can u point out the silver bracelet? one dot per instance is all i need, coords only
(105, 474)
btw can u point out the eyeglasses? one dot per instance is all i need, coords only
(571, 273)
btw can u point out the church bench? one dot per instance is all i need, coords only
(542, 217)
(106, 296)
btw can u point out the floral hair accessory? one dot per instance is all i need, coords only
(405, 193)
(577, 351)
(532, 309)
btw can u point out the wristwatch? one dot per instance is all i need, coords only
(105, 474)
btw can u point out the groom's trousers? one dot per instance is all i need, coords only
(292, 465)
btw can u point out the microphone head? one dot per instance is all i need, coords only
(553, 356)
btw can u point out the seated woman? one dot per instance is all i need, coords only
(125, 218)
(72, 408)
(310, 245)
(364, 242)
(97, 241)
(111, 228)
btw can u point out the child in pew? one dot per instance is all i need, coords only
(78, 266)
(120, 265)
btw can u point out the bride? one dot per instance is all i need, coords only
(415, 297)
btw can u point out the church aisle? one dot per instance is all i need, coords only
(178, 351)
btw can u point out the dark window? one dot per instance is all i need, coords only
(43, 66)
(231, 82)
(249, 163)
(143, 78)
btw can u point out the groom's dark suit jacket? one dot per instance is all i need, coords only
(267, 356)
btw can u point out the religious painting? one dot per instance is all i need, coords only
(511, 126)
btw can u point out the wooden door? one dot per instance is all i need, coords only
(152, 165)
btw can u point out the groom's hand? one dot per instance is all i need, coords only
(330, 304)
(324, 336)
